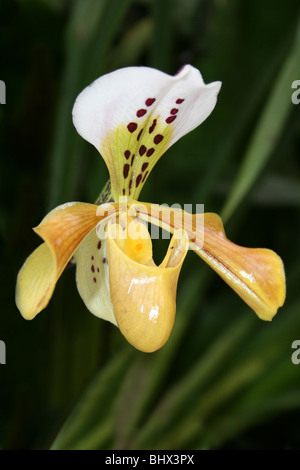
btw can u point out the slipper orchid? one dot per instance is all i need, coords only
(132, 116)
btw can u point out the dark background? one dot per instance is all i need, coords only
(225, 379)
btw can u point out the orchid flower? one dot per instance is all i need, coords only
(132, 116)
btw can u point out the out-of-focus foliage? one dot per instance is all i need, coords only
(225, 379)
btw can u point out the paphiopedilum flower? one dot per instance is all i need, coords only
(132, 116)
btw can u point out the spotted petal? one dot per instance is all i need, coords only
(255, 274)
(133, 115)
(62, 230)
(92, 277)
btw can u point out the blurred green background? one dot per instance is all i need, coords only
(225, 379)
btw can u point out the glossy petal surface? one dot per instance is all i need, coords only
(255, 274)
(144, 296)
(36, 282)
(62, 230)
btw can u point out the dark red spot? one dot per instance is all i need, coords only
(125, 170)
(127, 154)
(99, 245)
(132, 159)
(150, 152)
(98, 270)
(174, 111)
(179, 101)
(145, 176)
(138, 180)
(92, 258)
(144, 166)
(141, 112)
(140, 133)
(149, 101)
(130, 184)
(152, 127)
(93, 268)
(158, 138)
(170, 119)
(104, 260)
(132, 126)
(142, 150)
(94, 279)
(123, 192)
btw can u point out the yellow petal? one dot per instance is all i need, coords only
(134, 240)
(36, 281)
(255, 274)
(143, 296)
(63, 229)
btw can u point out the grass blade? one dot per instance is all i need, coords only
(268, 131)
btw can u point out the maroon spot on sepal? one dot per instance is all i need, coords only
(141, 112)
(152, 127)
(139, 136)
(104, 260)
(174, 111)
(179, 101)
(127, 154)
(99, 245)
(170, 119)
(142, 150)
(144, 166)
(132, 126)
(138, 180)
(158, 138)
(126, 170)
(94, 279)
(150, 101)
(93, 268)
(150, 152)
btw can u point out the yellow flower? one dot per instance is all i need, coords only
(132, 116)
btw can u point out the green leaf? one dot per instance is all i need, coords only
(176, 399)
(268, 130)
(90, 423)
